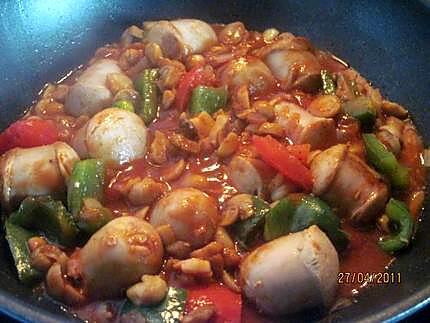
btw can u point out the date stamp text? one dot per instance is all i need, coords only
(369, 278)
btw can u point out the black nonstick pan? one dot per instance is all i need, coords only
(387, 41)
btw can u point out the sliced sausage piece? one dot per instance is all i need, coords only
(192, 215)
(179, 38)
(118, 255)
(295, 69)
(89, 94)
(390, 133)
(291, 273)
(35, 171)
(304, 128)
(251, 72)
(247, 174)
(346, 182)
(113, 135)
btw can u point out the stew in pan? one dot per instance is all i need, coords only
(194, 172)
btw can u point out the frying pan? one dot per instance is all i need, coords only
(387, 41)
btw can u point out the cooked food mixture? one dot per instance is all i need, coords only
(208, 173)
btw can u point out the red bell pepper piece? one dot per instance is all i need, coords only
(188, 82)
(28, 133)
(228, 304)
(289, 160)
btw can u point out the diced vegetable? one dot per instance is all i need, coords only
(148, 90)
(188, 82)
(289, 216)
(399, 215)
(92, 216)
(17, 239)
(28, 133)
(400, 179)
(169, 311)
(207, 99)
(45, 215)
(277, 220)
(227, 303)
(329, 85)
(378, 155)
(313, 210)
(246, 231)
(124, 105)
(288, 161)
(362, 109)
(385, 162)
(87, 181)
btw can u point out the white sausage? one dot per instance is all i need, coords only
(349, 184)
(178, 38)
(35, 171)
(291, 273)
(295, 68)
(113, 135)
(117, 256)
(192, 214)
(247, 174)
(247, 71)
(304, 128)
(89, 94)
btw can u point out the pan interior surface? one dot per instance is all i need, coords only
(387, 41)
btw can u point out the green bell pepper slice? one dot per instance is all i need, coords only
(312, 210)
(247, 231)
(147, 87)
(398, 213)
(86, 181)
(385, 162)
(277, 220)
(45, 215)
(17, 239)
(207, 99)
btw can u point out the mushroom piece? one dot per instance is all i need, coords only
(295, 69)
(239, 206)
(113, 135)
(89, 94)
(119, 254)
(35, 171)
(192, 214)
(179, 38)
(291, 273)
(346, 182)
(248, 174)
(302, 127)
(251, 72)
